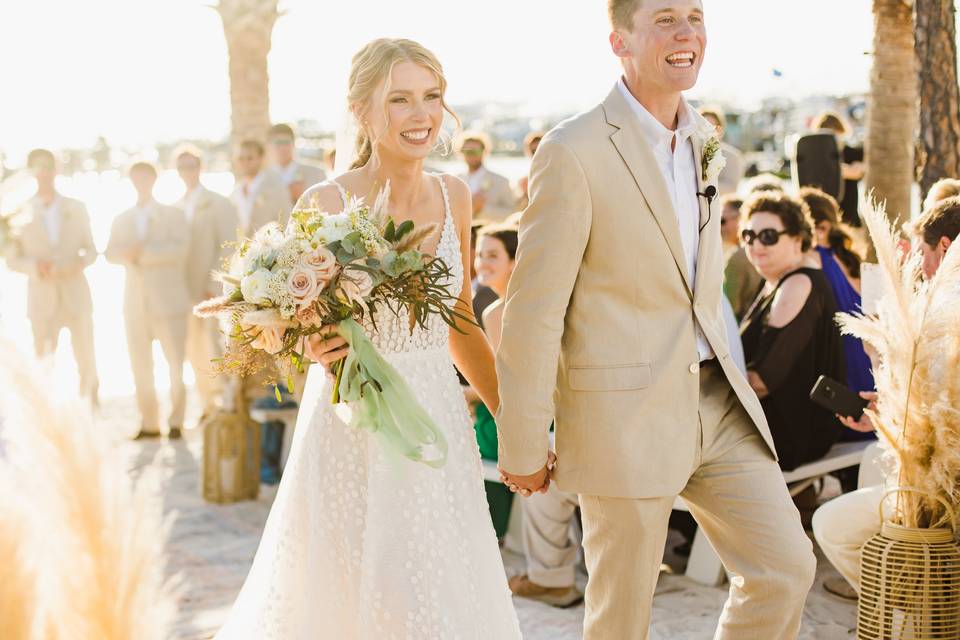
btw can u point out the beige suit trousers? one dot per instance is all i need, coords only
(203, 345)
(46, 330)
(737, 495)
(843, 525)
(171, 332)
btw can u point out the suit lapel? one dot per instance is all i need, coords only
(637, 155)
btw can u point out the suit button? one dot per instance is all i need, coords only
(695, 367)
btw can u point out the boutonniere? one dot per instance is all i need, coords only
(713, 161)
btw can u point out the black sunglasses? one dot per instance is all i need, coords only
(767, 237)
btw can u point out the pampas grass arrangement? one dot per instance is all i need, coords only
(18, 604)
(916, 334)
(95, 535)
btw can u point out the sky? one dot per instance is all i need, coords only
(142, 71)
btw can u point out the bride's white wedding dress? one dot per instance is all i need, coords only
(361, 543)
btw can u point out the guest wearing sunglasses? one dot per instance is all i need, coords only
(789, 334)
(493, 199)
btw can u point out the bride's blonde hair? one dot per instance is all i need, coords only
(373, 65)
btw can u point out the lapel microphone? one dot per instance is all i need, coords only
(709, 193)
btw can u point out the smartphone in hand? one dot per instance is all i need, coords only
(838, 398)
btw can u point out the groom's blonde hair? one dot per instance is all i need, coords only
(622, 12)
(372, 66)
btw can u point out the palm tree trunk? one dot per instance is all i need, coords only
(892, 110)
(936, 46)
(248, 26)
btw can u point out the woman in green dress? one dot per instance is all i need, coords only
(496, 256)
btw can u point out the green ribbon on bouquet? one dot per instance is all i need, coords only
(381, 401)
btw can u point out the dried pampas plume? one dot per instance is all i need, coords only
(18, 602)
(95, 536)
(916, 335)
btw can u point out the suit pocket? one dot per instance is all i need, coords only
(625, 377)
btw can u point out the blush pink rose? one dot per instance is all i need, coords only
(270, 339)
(308, 317)
(322, 262)
(302, 285)
(357, 285)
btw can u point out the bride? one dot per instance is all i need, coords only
(361, 543)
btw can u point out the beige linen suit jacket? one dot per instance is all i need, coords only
(501, 201)
(67, 291)
(271, 202)
(599, 325)
(156, 285)
(213, 225)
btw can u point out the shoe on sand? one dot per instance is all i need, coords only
(562, 597)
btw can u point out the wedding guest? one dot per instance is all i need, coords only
(53, 248)
(733, 171)
(259, 196)
(492, 197)
(295, 175)
(842, 525)
(789, 335)
(530, 144)
(495, 259)
(841, 266)
(741, 282)
(151, 242)
(762, 182)
(941, 190)
(852, 168)
(330, 160)
(483, 296)
(211, 221)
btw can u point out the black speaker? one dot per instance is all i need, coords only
(817, 163)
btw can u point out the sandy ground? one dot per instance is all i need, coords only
(211, 547)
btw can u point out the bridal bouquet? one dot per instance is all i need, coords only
(284, 284)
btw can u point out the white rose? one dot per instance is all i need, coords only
(269, 235)
(335, 227)
(255, 286)
(717, 163)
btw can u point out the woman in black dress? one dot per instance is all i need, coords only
(790, 337)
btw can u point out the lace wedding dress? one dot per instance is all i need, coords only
(363, 544)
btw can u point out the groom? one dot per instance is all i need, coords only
(612, 327)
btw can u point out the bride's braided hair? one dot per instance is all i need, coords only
(373, 65)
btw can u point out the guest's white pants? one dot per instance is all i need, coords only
(550, 551)
(844, 524)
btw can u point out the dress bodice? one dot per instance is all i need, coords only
(390, 333)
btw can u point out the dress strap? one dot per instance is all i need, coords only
(447, 213)
(343, 193)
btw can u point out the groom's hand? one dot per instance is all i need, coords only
(537, 482)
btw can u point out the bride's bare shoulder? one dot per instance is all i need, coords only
(459, 193)
(324, 196)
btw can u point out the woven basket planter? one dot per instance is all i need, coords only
(909, 584)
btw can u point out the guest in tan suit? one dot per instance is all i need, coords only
(260, 196)
(151, 241)
(209, 216)
(53, 248)
(493, 198)
(297, 176)
(613, 326)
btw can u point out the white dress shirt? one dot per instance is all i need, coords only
(51, 217)
(190, 202)
(475, 180)
(142, 218)
(245, 196)
(678, 166)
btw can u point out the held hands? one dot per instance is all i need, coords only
(864, 424)
(538, 482)
(326, 347)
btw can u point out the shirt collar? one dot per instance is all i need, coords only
(657, 135)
